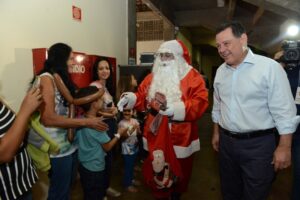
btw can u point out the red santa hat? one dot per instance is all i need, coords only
(177, 47)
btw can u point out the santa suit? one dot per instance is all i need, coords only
(183, 124)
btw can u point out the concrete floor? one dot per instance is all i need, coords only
(204, 184)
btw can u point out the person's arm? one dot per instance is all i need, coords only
(51, 119)
(195, 104)
(215, 137)
(216, 113)
(282, 154)
(109, 145)
(108, 113)
(11, 141)
(136, 100)
(283, 110)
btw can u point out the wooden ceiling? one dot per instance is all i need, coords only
(264, 20)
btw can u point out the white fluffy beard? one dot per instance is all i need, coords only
(165, 80)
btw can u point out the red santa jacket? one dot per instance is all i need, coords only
(183, 126)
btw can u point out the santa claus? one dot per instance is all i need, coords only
(175, 97)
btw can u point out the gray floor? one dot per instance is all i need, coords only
(205, 179)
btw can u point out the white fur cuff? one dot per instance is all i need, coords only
(179, 111)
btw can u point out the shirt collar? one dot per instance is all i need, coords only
(249, 59)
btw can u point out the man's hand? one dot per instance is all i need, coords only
(282, 157)
(282, 154)
(215, 138)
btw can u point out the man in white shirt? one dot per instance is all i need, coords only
(252, 98)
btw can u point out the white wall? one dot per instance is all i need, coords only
(41, 23)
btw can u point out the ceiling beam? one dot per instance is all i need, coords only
(275, 8)
(259, 12)
(231, 9)
(161, 8)
(194, 18)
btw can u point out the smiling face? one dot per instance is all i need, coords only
(230, 47)
(127, 113)
(103, 70)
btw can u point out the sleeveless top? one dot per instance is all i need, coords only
(60, 134)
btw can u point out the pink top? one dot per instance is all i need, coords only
(108, 100)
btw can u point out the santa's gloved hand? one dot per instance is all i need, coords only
(128, 100)
(169, 111)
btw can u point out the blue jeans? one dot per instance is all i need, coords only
(129, 161)
(61, 176)
(92, 184)
(296, 165)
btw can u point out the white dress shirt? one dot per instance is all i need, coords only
(255, 95)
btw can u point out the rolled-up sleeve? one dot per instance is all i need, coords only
(281, 102)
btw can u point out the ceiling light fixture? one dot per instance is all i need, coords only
(292, 30)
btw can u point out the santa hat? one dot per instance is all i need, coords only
(177, 48)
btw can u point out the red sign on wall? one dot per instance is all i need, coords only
(82, 69)
(76, 12)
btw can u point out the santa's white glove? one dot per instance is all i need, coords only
(128, 100)
(169, 111)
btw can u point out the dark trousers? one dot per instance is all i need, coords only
(92, 184)
(246, 171)
(296, 165)
(112, 129)
(129, 161)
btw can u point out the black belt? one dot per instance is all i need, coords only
(247, 135)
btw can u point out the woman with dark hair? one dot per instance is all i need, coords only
(102, 78)
(103, 63)
(54, 112)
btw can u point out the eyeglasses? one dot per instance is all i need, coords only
(164, 56)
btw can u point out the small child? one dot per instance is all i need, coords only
(92, 147)
(129, 148)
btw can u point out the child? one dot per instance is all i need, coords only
(129, 148)
(92, 147)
